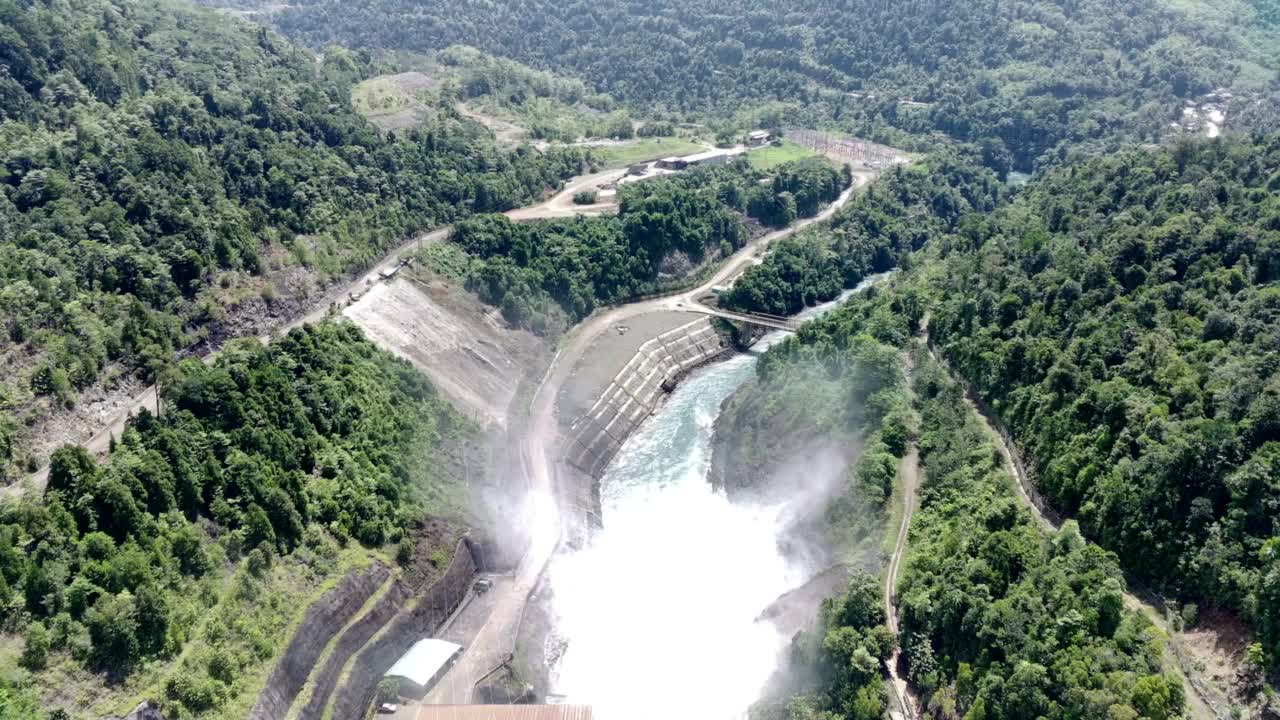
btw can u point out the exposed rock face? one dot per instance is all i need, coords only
(350, 643)
(432, 609)
(323, 620)
(797, 609)
(465, 348)
(144, 711)
(772, 447)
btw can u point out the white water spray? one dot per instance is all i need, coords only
(659, 611)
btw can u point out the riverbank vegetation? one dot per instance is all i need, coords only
(1115, 315)
(895, 216)
(828, 416)
(170, 568)
(547, 274)
(847, 653)
(999, 618)
(169, 173)
(834, 394)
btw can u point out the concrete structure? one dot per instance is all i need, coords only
(504, 712)
(756, 138)
(710, 157)
(673, 163)
(418, 669)
(636, 390)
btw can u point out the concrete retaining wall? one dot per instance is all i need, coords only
(635, 392)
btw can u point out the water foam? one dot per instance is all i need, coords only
(659, 611)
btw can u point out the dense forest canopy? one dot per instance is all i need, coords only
(160, 165)
(1024, 77)
(311, 442)
(1000, 619)
(665, 230)
(898, 215)
(1123, 317)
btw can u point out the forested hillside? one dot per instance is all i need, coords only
(999, 619)
(547, 274)
(165, 168)
(1123, 317)
(262, 467)
(1024, 77)
(897, 215)
(1002, 620)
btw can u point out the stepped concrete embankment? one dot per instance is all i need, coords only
(635, 392)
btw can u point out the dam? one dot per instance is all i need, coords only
(659, 608)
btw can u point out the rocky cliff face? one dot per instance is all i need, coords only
(778, 444)
(323, 620)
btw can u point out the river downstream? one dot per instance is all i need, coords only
(658, 613)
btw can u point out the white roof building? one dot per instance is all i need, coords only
(424, 663)
(710, 156)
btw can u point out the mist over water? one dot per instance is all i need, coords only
(659, 611)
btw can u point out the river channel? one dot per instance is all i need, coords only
(657, 615)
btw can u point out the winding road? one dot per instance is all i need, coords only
(493, 645)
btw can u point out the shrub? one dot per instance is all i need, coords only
(388, 690)
(35, 651)
(404, 551)
(585, 197)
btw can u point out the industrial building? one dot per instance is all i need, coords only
(425, 663)
(710, 157)
(504, 712)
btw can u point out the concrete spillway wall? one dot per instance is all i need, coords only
(636, 390)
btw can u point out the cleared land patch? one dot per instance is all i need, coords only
(394, 102)
(771, 156)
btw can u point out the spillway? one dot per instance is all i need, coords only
(657, 614)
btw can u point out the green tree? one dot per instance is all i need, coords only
(35, 649)
(113, 628)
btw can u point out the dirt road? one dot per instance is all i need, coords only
(909, 475)
(559, 205)
(909, 472)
